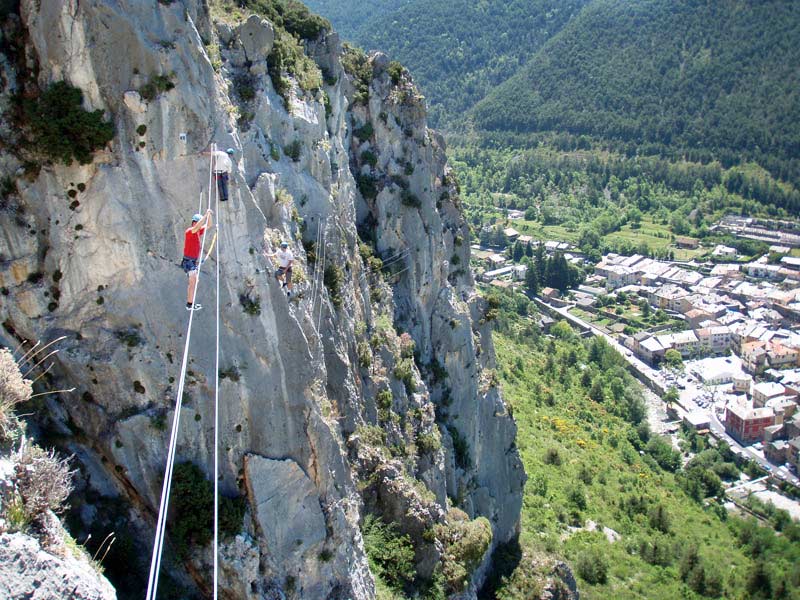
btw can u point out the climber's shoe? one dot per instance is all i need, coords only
(190, 306)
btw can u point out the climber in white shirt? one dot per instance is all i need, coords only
(284, 271)
(222, 167)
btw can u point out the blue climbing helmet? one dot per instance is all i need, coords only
(196, 217)
(230, 151)
(284, 244)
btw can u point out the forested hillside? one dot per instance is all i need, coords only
(348, 16)
(700, 79)
(458, 51)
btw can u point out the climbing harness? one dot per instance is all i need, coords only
(158, 542)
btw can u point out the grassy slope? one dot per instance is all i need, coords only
(584, 433)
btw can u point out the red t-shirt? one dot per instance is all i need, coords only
(191, 243)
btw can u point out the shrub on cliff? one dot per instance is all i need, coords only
(465, 543)
(356, 64)
(391, 555)
(14, 389)
(333, 278)
(59, 127)
(43, 480)
(291, 15)
(193, 499)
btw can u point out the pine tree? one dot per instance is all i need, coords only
(532, 281)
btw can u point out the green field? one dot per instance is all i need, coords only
(656, 236)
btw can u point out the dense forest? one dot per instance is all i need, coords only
(457, 51)
(708, 80)
(349, 16)
(605, 202)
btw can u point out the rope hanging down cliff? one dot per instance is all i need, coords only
(216, 401)
(158, 542)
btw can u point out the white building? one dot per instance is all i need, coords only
(765, 391)
(724, 252)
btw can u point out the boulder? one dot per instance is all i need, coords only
(29, 572)
(257, 36)
(287, 508)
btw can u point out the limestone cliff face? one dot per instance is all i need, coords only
(327, 411)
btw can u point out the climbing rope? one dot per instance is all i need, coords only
(315, 274)
(158, 542)
(216, 402)
(322, 281)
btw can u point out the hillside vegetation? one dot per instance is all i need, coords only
(701, 79)
(348, 16)
(591, 458)
(457, 51)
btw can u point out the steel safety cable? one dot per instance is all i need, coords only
(158, 542)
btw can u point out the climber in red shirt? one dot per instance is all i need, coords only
(191, 254)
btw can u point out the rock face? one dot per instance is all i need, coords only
(374, 367)
(27, 571)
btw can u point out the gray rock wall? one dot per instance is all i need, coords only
(28, 571)
(94, 254)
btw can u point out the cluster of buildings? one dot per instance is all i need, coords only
(768, 413)
(725, 308)
(500, 270)
(751, 310)
(773, 231)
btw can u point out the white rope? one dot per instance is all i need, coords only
(158, 542)
(315, 274)
(216, 408)
(322, 267)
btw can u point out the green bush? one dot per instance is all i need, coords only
(372, 435)
(244, 85)
(404, 371)
(364, 354)
(366, 185)
(390, 555)
(383, 399)
(274, 152)
(364, 132)
(291, 15)
(592, 566)
(158, 84)
(428, 443)
(460, 448)
(409, 199)
(250, 304)
(293, 150)
(60, 129)
(332, 278)
(356, 64)
(287, 56)
(193, 500)
(326, 102)
(465, 544)
(395, 70)
(661, 450)
(368, 156)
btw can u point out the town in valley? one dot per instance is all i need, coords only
(716, 336)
